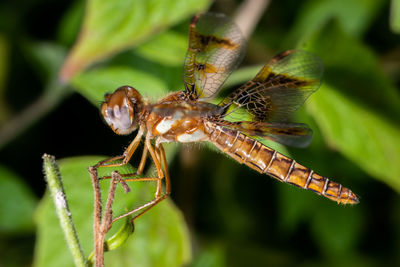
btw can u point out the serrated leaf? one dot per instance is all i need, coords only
(160, 237)
(17, 203)
(110, 27)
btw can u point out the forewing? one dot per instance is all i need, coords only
(216, 47)
(280, 88)
(291, 134)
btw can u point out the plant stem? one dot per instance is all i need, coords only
(102, 226)
(98, 237)
(248, 14)
(50, 98)
(56, 188)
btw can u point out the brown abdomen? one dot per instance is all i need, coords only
(266, 160)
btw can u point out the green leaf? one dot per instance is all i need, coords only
(369, 139)
(70, 23)
(294, 207)
(337, 228)
(119, 238)
(17, 204)
(212, 255)
(355, 70)
(153, 76)
(167, 48)
(357, 107)
(46, 59)
(160, 238)
(110, 27)
(94, 84)
(395, 16)
(355, 16)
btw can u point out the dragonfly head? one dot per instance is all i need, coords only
(120, 109)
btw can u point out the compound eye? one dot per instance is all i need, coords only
(107, 97)
(109, 113)
(118, 109)
(119, 118)
(117, 113)
(122, 117)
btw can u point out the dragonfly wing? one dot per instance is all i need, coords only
(291, 134)
(216, 47)
(280, 88)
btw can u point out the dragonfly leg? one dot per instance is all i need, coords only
(161, 150)
(142, 161)
(127, 153)
(139, 171)
(159, 159)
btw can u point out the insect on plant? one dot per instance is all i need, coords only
(216, 46)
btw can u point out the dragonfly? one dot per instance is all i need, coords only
(216, 47)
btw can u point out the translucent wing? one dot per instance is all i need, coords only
(216, 47)
(279, 89)
(291, 134)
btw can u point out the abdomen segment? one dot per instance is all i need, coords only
(266, 160)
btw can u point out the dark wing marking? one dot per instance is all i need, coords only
(216, 47)
(279, 89)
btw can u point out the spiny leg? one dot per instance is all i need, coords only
(139, 171)
(165, 166)
(142, 161)
(156, 153)
(127, 153)
(126, 156)
(103, 163)
(154, 157)
(101, 227)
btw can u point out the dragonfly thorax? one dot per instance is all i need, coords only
(120, 109)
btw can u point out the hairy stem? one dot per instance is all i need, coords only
(56, 188)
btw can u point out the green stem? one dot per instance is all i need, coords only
(15, 125)
(56, 188)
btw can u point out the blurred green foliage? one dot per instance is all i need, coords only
(164, 228)
(235, 216)
(16, 214)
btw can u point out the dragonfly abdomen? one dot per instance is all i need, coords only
(266, 160)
